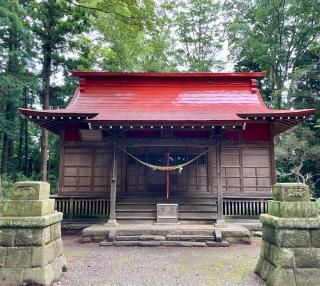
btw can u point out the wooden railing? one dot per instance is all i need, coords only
(84, 207)
(80, 207)
(245, 207)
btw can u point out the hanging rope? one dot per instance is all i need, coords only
(165, 168)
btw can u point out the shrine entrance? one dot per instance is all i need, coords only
(191, 178)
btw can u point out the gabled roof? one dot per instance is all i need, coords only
(166, 98)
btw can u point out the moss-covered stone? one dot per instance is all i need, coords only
(315, 237)
(39, 276)
(265, 249)
(3, 256)
(307, 276)
(30, 230)
(11, 276)
(24, 237)
(295, 223)
(7, 237)
(34, 222)
(43, 255)
(285, 258)
(28, 208)
(269, 234)
(293, 209)
(59, 247)
(307, 257)
(55, 231)
(45, 275)
(18, 257)
(259, 265)
(291, 192)
(266, 269)
(30, 190)
(281, 277)
(290, 252)
(41, 236)
(293, 238)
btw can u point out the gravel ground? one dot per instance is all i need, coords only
(92, 265)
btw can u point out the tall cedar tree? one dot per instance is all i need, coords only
(56, 23)
(14, 54)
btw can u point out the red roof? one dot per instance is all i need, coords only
(212, 98)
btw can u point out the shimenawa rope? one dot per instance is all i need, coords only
(165, 168)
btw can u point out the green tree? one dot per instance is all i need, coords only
(199, 32)
(15, 55)
(55, 24)
(125, 36)
(272, 35)
(297, 154)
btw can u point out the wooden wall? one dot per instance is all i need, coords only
(85, 169)
(246, 170)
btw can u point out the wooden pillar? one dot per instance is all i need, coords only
(210, 171)
(220, 221)
(272, 156)
(113, 192)
(61, 163)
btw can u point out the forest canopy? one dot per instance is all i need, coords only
(42, 41)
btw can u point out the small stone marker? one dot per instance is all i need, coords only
(290, 249)
(290, 192)
(167, 213)
(31, 249)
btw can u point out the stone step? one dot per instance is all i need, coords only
(165, 243)
(185, 237)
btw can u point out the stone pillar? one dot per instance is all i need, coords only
(290, 250)
(31, 249)
(113, 191)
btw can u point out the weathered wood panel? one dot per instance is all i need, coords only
(87, 169)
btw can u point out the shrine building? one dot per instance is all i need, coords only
(199, 140)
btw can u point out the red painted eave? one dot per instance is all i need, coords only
(170, 75)
(55, 112)
(277, 113)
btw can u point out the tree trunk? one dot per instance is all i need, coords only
(20, 146)
(7, 144)
(46, 73)
(25, 137)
